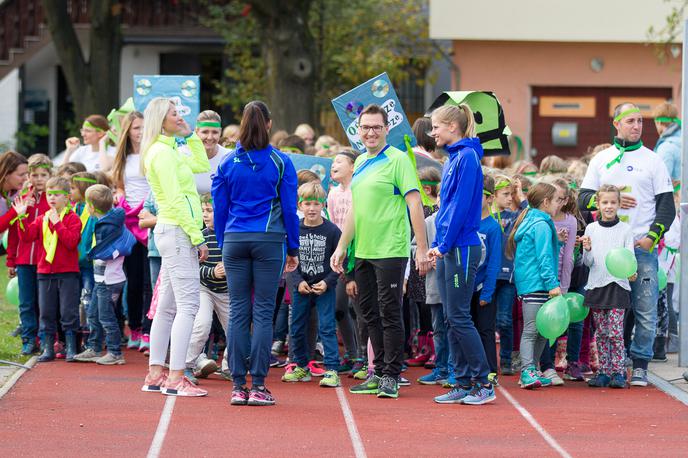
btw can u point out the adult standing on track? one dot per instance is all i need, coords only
(647, 204)
(209, 129)
(254, 192)
(14, 171)
(179, 240)
(383, 186)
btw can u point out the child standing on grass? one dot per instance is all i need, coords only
(22, 258)
(534, 247)
(313, 284)
(608, 296)
(58, 267)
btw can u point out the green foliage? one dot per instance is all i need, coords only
(354, 41)
(27, 137)
(663, 38)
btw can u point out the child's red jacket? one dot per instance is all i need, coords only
(19, 253)
(68, 236)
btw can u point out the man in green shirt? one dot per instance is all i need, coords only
(384, 195)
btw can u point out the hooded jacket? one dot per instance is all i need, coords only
(254, 194)
(112, 238)
(669, 149)
(171, 177)
(537, 253)
(25, 253)
(461, 196)
(68, 231)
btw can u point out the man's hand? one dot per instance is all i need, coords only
(337, 260)
(628, 201)
(645, 243)
(304, 288)
(319, 288)
(422, 262)
(352, 289)
(219, 270)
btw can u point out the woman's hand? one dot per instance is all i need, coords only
(72, 143)
(291, 264)
(202, 253)
(184, 130)
(434, 254)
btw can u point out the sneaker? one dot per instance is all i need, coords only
(505, 368)
(110, 359)
(362, 373)
(189, 374)
(516, 361)
(436, 377)
(298, 374)
(600, 380)
(587, 370)
(529, 379)
(182, 387)
(455, 396)
(430, 364)
(357, 366)
(205, 368)
(368, 387)
(227, 376)
(450, 382)
(420, 359)
(316, 368)
(144, 343)
(260, 396)
(239, 396)
(660, 358)
(59, 349)
(277, 347)
(28, 348)
(618, 380)
(289, 368)
(275, 362)
(346, 365)
(387, 388)
(574, 373)
(134, 340)
(479, 395)
(320, 349)
(553, 377)
(330, 379)
(154, 385)
(639, 377)
(403, 381)
(493, 379)
(88, 356)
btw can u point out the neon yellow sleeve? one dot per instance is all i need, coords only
(198, 160)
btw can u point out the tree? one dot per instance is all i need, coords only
(665, 38)
(300, 54)
(93, 83)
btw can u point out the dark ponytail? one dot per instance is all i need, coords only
(253, 131)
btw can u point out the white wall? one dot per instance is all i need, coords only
(9, 94)
(613, 21)
(40, 74)
(141, 60)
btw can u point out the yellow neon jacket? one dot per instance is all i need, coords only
(171, 177)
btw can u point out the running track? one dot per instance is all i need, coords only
(60, 409)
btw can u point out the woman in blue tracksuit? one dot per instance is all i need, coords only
(254, 193)
(457, 250)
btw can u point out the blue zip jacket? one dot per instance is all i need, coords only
(537, 253)
(668, 147)
(508, 218)
(486, 278)
(113, 239)
(254, 195)
(461, 196)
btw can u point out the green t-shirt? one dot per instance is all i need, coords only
(378, 188)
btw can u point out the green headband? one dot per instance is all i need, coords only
(90, 202)
(529, 174)
(573, 185)
(487, 193)
(41, 166)
(677, 187)
(502, 184)
(623, 114)
(290, 149)
(57, 192)
(85, 180)
(209, 124)
(88, 125)
(665, 119)
(311, 199)
(430, 183)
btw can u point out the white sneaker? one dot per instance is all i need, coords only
(277, 347)
(554, 377)
(205, 367)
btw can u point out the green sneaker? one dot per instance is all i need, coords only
(298, 374)
(330, 379)
(362, 374)
(529, 378)
(368, 387)
(388, 388)
(493, 378)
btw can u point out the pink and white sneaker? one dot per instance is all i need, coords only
(239, 396)
(260, 396)
(182, 387)
(144, 342)
(317, 369)
(134, 340)
(151, 385)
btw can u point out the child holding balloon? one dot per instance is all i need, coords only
(608, 288)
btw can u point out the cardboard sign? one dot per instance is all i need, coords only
(183, 90)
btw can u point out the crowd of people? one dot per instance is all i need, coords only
(179, 243)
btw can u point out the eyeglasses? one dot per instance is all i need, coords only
(375, 129)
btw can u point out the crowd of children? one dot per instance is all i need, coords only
(504, 241)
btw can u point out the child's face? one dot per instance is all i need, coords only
(312, 210)
(39, 177)
(75, 194)
(503, 198)
(208, 215)
(57, 199)
(560, 199)
(342, 168)
(608, 204)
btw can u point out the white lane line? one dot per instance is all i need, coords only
(163, 424)
(533, 422)
(356, 442)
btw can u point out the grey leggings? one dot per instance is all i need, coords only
(532, 343)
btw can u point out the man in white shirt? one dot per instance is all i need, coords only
(647, 204)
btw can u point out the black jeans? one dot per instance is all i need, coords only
(61, 291)
(484, 318)
(139, 291)
(380, 287)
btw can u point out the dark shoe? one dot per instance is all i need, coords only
(639, 377)
(505, 368)
(659, 348)
(617, 381)
(599, 381)
(70, 347)
(48, 344)
(387, 388)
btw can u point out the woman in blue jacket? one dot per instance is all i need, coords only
(254, 193)
(535, 243)
(457, 250)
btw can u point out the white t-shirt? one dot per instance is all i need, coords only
(136, 186)
(114, 271)
(204, 181)
(641, 173)
(89, 158)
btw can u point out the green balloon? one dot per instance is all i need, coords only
(4, 239)
(662, 279)
(553, 318)
(621, 263)
(577, 311)
(12, 292)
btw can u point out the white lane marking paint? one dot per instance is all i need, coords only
(356, 442)
(533, 422)
(163, 424)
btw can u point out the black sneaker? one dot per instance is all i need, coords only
(387, 388)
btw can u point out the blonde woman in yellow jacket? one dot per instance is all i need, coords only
(179, 240)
